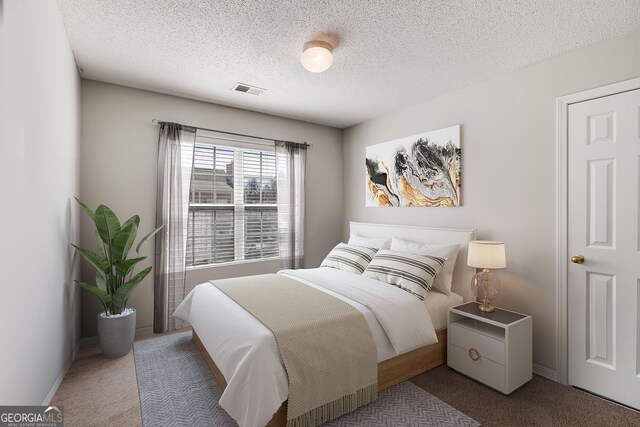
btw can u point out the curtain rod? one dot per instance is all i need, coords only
(304, 144)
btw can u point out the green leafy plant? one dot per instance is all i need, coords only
(115, 280)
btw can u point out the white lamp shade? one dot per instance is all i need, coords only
(486, 254)
(317, 56)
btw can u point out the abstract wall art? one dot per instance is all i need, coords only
(419, 170)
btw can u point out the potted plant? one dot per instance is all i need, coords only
(115, 279)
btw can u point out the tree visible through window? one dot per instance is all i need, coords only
(229, 222)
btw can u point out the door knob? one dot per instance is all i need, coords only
(577, 259)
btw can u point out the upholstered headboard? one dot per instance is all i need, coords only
(462, 274)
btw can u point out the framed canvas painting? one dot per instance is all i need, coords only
(419, 170)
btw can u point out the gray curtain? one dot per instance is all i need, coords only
(175, 162)
(291, 163)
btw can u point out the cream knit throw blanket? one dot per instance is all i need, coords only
(326, 345)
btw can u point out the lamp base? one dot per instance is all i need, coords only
(486, 287)
(486, 306)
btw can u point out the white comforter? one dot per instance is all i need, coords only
(246, 351)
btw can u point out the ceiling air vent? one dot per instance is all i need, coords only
(245, 88)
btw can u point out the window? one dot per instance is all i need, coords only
(229, 222)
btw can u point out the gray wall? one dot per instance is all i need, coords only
(39, 174)
(119, 158)
(508, 168)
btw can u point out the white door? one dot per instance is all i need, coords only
(604, 291)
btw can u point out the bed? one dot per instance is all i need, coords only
(244, 357)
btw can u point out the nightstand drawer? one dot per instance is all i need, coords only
(483, 369)
(488, 348)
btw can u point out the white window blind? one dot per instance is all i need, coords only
(233, 214)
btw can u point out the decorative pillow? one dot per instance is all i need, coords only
(411, 272)
(369, 242)
(450, 252)
(351, 258)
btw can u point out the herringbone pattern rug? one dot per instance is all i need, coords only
(178, 389)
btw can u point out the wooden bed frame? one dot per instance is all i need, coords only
(390, 372)
(407, 365)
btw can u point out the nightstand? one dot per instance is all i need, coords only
(492, 348)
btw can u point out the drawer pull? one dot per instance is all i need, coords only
(473, 354)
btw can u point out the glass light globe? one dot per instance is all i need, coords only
(317, 57)
(486, 286)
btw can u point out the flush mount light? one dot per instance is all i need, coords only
(316, 56)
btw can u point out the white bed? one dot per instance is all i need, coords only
(246, 353)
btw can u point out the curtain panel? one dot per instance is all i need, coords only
(175, 163)
(291, 164)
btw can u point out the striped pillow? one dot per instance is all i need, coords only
(410, 272)
(351, 258)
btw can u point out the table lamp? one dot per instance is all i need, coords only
(488, 256)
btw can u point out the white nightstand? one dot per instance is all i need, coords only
(493, 348)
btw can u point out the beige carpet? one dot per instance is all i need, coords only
(100, 392)
(540, 402)
(104, 392)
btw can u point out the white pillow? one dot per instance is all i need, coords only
(412, 273)
(369, 242)
(351, 258)
(450, 252)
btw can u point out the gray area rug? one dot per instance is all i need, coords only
(178, 389)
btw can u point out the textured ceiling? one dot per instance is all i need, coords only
(389, 54)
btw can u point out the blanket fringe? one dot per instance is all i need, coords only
(336, 408)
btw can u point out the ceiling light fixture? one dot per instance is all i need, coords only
(316, 56)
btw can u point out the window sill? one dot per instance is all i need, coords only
(232, 263)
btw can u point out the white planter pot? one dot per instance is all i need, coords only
(115, 333)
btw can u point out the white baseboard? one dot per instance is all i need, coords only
(144, 330)
(543, 371)
(52, 391)
(87, 341)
